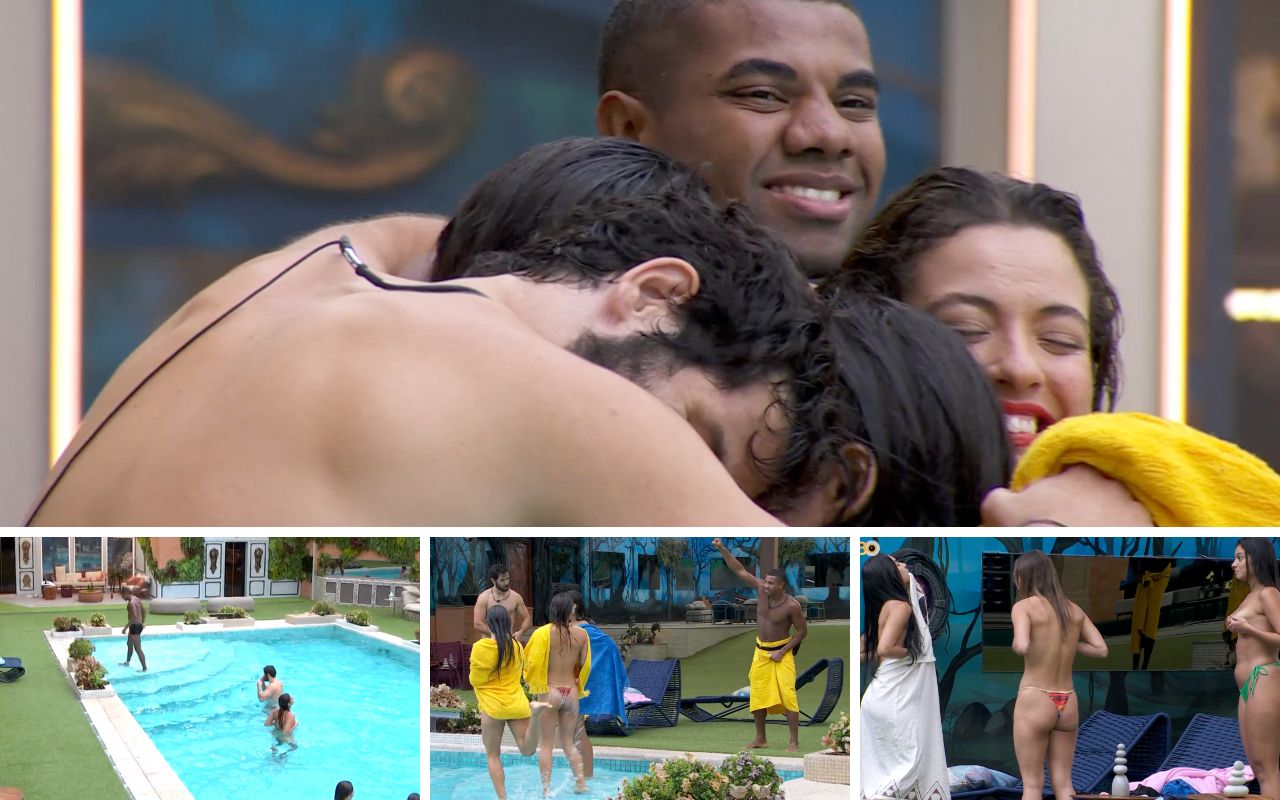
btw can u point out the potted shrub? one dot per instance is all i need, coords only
(97, 626)
(648, 645)
(80, 649)
(233, 617)
(831, 765)
(90, 594)
(751, 776)
(90, 679)
(66, 627)
(322, 612)
(469, 589)
(684, 777)
(358, 619)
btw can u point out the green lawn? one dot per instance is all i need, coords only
(50, 751)
(722, 669)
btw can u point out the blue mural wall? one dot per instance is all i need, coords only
(623, 576)
(977, 706)
(216, 130)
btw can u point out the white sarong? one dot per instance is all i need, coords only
(902, 750)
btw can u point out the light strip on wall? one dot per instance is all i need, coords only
(1020, 159)
(1253, 305)
(1173, 224)
(65, 329)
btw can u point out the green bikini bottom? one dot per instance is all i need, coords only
(1251, 682)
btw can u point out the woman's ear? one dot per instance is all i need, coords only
(862, 467)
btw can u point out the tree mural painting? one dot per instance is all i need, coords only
(700, 550)
(977, 706)
(669, 552)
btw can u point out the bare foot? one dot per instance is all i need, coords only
(757, 744)
(793, 747)
(580, 787)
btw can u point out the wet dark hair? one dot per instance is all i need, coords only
(753, 318)
(499, 622)
(343, 790)
(1033, 574)
(913, 395)
(532, 192)
(946, 201)
(880, 584)
(286, 700)
(495, 572)
(562, 616)
(269, 670)
(1260, 555)
(637, 48)
(579, 604)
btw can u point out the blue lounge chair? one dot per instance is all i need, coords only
(1209, 742)
(657, 680)
(731, 704)
(11, 669)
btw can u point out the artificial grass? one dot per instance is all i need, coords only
(50, 750)
(721, 669)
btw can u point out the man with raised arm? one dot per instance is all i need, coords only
(773, 667)
(500, 593)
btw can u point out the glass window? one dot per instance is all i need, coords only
(685, 576)
(826, 569)
(724, 578)
(120, 554)
(88, 553)
(54, 550)
(608, 570)
(649, 575)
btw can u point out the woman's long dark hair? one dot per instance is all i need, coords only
(499, 622)
(285, 701)
(343, 790)
(1260, 555)
(1033, 574)
(562, 616)
(881, 583)
(580, 609)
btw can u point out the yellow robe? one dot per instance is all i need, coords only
(773, 683)
(1182, 476)
(538, 657)
(1147, 601)
(500, 696)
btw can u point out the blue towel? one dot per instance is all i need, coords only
(607, 679)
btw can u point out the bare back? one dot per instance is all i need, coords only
(567, 654)
(1053, 651)
(334, 402)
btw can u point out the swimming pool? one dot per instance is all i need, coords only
(382, 573)
(356, 700)
(465, 776)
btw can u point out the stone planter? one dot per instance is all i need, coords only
(307, 618)
(648, 652)
(94, 694)
(196, 627)
(65, 634)
(90, 630)
(86, 596)
(827, 767)
(233, 622)
(342, 623)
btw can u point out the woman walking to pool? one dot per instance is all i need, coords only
(496, 664)
(1048, 631)
(283, 722)
(1256, 623)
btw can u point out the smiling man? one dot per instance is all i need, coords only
(772, 101)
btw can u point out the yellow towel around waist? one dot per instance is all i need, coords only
(773, 683)
(498, 695)
(537, 657)
(1182, 476)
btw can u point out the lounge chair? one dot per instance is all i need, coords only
(731, 703)
(1209, 742)
(11, 669)
(657, 680)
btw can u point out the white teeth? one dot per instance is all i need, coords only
(828, 195)
(1016, 423)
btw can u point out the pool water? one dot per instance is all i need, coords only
(465, 776)
(382, 573)
(356, 700)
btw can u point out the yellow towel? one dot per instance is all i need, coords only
(499, 696)
(1147, 601)
(1183, 477)
(537, 657)
(773, 683)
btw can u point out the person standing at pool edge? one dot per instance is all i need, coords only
(500, 593)
(773, 667)
(137, 615)
(269, 688)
